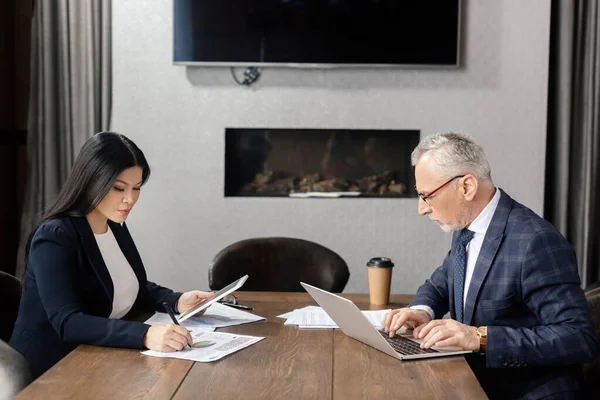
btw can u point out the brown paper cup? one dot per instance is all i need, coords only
(380, 280)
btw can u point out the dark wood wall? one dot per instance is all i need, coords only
(15, 34)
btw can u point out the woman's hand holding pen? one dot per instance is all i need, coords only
(192, 299)
(173, 337)
(167, 338)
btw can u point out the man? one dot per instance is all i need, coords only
(510, 281)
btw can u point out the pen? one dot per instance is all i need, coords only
(237, 306)
(172, 315)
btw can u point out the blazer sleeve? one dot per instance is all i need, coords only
(156, 295)
(53, 258)
(434, 292)
(551, 291)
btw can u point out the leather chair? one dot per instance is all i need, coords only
(591, 371)
(10, 296)
(14, 371)
(278, 264)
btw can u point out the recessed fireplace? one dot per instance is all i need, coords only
(319, 162)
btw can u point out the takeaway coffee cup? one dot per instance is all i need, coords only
(380, 279)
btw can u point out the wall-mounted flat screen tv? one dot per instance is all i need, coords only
(317, 33)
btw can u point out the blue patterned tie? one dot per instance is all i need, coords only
(460, 265)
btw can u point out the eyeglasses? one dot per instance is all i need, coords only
(231, 301)
(425, 197)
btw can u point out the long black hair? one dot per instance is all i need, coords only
(101, 160)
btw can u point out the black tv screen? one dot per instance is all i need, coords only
(307, 33)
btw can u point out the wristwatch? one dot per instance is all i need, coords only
(482, 335)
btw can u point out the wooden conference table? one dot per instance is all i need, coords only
(289, 364)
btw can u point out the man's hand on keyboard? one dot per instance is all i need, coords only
(408, 317)
(448, 332)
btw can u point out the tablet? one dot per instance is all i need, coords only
(218, 296)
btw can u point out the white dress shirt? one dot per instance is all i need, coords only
(480, 226)
(125, 283)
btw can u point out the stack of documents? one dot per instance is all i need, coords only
(312, 317)
(216, 316)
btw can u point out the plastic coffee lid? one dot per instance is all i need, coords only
(380, 262)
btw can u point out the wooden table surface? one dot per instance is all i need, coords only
(289, 364)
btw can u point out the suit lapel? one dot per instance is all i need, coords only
(90, 248)
(491, 243)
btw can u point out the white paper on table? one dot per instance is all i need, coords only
(209, 346)
(307, 308)
(189, 324)
(216, 316)
(317, 318)
(311, 318)
(317, 326)
(296, 317)
(220, 316)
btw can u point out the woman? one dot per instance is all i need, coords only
(84, 272)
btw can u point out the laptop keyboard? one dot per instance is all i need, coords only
(405, 346)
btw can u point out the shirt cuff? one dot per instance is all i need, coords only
(425, 308)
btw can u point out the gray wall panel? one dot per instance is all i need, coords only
(177, 115)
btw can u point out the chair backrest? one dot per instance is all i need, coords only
(10, 296)
(14, 371)
(591, 370)
(278, 264)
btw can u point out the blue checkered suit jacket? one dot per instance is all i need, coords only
(526, 289)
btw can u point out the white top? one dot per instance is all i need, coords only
(125, 282)
(480, 226)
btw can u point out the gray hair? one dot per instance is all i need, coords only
(455, 154)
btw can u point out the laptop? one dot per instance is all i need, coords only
(354, 324)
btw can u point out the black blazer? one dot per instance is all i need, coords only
(68, 294)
